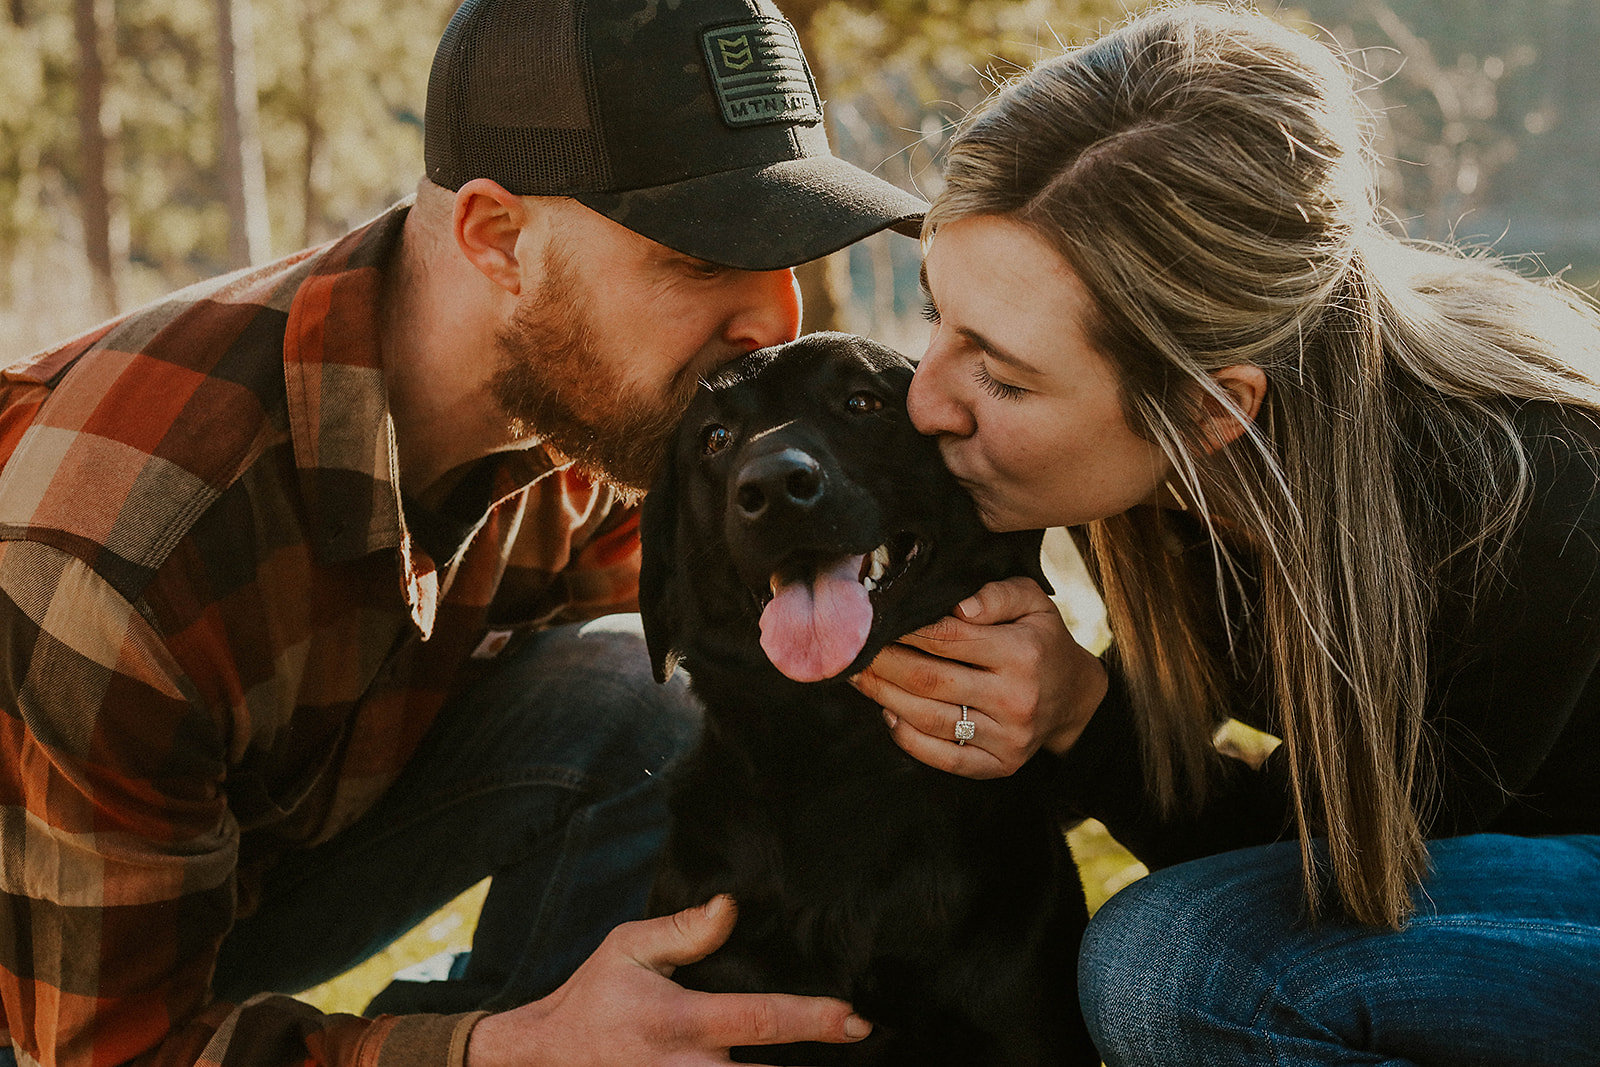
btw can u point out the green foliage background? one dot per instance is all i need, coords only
(355, 72)
(341, 92)
(1483, 110)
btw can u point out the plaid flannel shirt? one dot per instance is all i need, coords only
(222, 640)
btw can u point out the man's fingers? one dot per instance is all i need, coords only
(729, 1019)
(664, 944)
(725, 1019)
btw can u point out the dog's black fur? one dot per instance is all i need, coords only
(946, 910)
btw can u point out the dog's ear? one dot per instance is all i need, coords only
(659, 600)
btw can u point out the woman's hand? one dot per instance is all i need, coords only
(1007, 656)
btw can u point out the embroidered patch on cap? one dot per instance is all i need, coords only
(760, 73)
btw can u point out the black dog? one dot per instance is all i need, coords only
(801, 524)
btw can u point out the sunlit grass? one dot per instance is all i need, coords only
(447, 930)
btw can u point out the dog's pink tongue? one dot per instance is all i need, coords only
(812, 632)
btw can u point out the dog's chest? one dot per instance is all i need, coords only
(829, 820)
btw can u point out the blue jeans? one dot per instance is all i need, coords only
(1211, 963)
(547, 776)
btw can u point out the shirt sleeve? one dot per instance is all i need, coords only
(118, 853)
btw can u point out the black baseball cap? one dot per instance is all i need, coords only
(693, 122)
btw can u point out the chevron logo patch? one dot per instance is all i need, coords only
(760, 74)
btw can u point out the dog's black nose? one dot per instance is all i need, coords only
(787, 479)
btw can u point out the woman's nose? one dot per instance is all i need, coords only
(934, 404)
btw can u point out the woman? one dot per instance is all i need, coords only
(1335, 485)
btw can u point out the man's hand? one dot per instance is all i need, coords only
(1009, 658)
(622, 1007)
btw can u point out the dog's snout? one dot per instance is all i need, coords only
(790, 479)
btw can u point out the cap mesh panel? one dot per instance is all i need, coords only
(519, 100)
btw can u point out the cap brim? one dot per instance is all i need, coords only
(767, 217)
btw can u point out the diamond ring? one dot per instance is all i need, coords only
(966, 728)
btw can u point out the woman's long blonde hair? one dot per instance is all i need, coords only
(1206, 173)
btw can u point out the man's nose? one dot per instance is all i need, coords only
(770, 314)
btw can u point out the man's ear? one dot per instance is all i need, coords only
(488, 225)
(1246, 387)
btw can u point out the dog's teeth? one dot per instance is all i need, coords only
(869, 585)
(880, 562)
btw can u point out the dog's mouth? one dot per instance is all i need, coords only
(820, 613)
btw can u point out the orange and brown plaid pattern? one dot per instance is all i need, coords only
(221, 640)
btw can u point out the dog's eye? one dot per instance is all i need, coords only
(863, 403)
(715, 438)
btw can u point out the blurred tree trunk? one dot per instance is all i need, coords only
(94, 30)
(824, 283)
(311, 12)
(825, 293)
(242, 170)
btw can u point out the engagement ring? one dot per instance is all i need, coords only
(966, 728)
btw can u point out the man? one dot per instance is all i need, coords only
(292, 567)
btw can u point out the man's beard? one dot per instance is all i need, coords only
(552, 382)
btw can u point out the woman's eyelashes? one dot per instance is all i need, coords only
(994, 386)
(988, 382)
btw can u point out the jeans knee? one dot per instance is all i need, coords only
(1129, 961)
(662, 720)
(1139, 972)
(1172, 958)
(580, 697)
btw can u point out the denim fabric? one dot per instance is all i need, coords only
(1212, 963)
(547, 776)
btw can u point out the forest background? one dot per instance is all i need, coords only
(147, 144)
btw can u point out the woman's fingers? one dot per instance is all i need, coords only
(942, 748)
(1010, 660)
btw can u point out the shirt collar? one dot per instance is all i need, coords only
(340, 423)
(338, 407)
